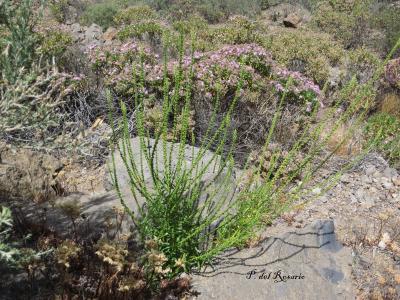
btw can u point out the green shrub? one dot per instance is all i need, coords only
(362, 63)
(347, 21)
(390, 104)
(388, 19)
(20, 41)
(135, 14)
(101, 14)
(7, 252)
(315, 52)
(191, 24)
(214, 11)
(59, 9)
(153, 28)
(29, 106)
(385, 129)
(237, 30)
(54, 43)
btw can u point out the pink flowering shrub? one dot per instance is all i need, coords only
(392, 73)
(214, 71)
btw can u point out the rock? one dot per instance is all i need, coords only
(360, 194)
(384, 241)
(396, 181)
(77, 32)
(353, 199)
(365, 180)
(368, 203)
(324, 199)
(370, 171)
(94, 31)
(335, 76)
(387, 185)
(377, 175)
(373, 189)
(346, 178)
(92, 35)
(76, 28)
(292, 20)
(389, 172)
(321, 264)
(316, 191)
(110, 34)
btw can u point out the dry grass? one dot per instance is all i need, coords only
(391, 104)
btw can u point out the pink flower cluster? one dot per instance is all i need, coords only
(214, 70)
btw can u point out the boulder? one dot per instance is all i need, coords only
(292, 20)
(109, 35)
(93, 34)
(306, 263)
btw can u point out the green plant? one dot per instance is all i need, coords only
(237, 30)
(21, 41)
(191, 24)
(174, 211)
(385, 129)
(29, 106)
(54, 43)
(311, 53)
(134, 14)
(102, 13)
(181, 228)
(388, 19)
(345, 20)
(59, 9)
(362, 63)
(212, 10)
(153, 28)
(7, 252)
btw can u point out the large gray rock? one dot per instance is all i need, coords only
(223, 185)
(292, 20)
(321, 264)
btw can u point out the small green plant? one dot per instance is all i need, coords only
(385, 129)
(7, 252)
(316, 56)
(362, 63)
(191, 24)
(134, 14)
(20, 43)
(345, 20)
(388, 19)
(152, 28)
(28, 106)
(59, 9)
(102, 14)
(54, 43)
